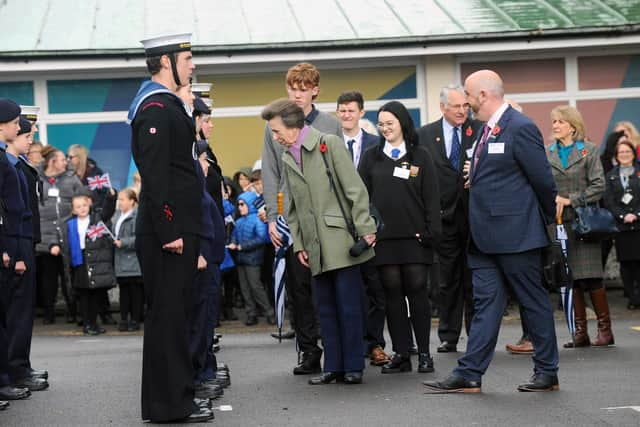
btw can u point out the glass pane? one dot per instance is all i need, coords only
(83, 96)
(540, 75)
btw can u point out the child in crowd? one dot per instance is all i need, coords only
(127, 267)
(248, 240)
(266, 271)
(90, 254)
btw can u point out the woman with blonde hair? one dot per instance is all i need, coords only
(579, 177)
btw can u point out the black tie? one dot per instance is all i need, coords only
(350, 145)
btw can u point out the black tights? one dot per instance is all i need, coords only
(90, 302)
(407, 281)
(588, 285)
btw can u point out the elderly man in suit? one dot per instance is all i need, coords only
(511, 200)
(450, 141)
(350, 110)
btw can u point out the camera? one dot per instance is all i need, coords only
(358, 248)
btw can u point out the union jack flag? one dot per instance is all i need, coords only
(99, 181)
(96, 231)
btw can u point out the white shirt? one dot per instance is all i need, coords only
(447, 131)
(357, 146)
(495, 117)
(121, 218)
(83, 226)
(388, 148)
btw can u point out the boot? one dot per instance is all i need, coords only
(582, 337)
(601, 307)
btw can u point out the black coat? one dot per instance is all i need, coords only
(628, 240)
(453, 196)
(17, 215)
(163, 148)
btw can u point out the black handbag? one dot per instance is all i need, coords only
(593, 223)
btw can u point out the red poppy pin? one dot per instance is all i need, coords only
(469, 131)
(52, 180)
(323, 147)
(584, 152)
(496, 130)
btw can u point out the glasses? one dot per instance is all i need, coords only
(458, 106)
(71, 157)
(242, 204)
(625, 152)
(386, 125)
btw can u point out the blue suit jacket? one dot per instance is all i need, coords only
(512, 194)
(368, 141)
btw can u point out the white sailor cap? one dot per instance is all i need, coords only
(161, 45)
(208, 102)
(203, 90)
(30, 112)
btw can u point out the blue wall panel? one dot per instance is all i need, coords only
(82, 96)
(20, 92)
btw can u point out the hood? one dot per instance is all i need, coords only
(249, 197)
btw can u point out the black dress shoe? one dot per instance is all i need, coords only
(107, 319)
(327, 378)
(123, 326)
(251, 320)
(202, 403)
(90, 330)
(541, 382)
(399, 363)
(353, 377)
(11, 393)
(39, 373)
(310, 364)
(3, 405)
(289, 335)
(425, 363)
(447, 347)
(133, 326)
(32, 383)
(454, 384)
(208, 391)
(201, 415)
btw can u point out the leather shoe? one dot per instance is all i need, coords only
(208, 391)
(453, 384)
(251, 320)
(327, 378)
(378, 357)
(11, 393)
(353, 377)
(398, 363)
(203, 403)
(289, 335)
(32, 383)
(93, 330)
(3, 405)
(447, 347)
(425, 363)
(524, 346)
(310, 364)
(39, 373)
(541, 382)
(201, 415)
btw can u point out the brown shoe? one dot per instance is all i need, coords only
(523, 346)
(378, 357)
(581, 338)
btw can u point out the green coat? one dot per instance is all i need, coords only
(583, 176)
(314, 217)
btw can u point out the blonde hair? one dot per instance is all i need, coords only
(83, 154)
(633, 131)
(130, 193)
(572, 116)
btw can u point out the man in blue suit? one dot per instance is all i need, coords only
(350, 110)
(511, 200)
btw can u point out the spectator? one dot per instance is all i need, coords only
(578, 174)
(622, 198)
(242, 180)
(35, 153)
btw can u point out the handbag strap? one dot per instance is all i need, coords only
(350, 226)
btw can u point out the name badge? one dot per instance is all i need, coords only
(53, 192)
(401, 173)
(627, 198)
(496, 148)
(470, 152)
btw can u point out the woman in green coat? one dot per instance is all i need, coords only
(579, 177)
(327, 201)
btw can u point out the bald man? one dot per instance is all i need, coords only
(511, 200)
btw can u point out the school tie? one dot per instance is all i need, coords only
(350, 145)
(395, 153)
(483, 140)
(454, 157)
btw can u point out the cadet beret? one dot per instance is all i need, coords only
(25, 125)
(199, 107)
(9, 110)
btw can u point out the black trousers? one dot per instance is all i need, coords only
(5, 275)
(630, 272)
(51, 275)
(167, 369)
(403, 282)
(303, 309)
(20, 314)
(373, 306)
(131, 298)
(266, 272)
(90, 302)
(454, 281)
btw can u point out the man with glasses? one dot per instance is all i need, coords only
(450, 141)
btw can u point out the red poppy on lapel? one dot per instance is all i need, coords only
(496, 130)
(584, 152)
(52, 180)
(323, 147)
(469, 131)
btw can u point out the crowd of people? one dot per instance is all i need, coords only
(374, 226)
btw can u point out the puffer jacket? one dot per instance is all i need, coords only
(249, 233)
(68, 185)
(126, 261)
